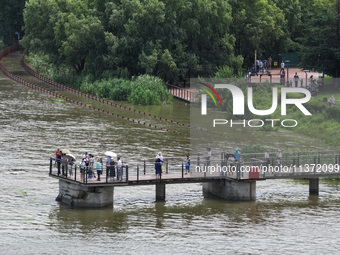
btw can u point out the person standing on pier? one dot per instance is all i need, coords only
(91, 160)
(187, 165)
(64, 164)
(267, 157)
(279, 157)
(237, 154)
(112, 168)
(82, 170)
(158, 167)
(58, 160)
(119, 169)
(108, 165)
(160, 156)
(99, 168)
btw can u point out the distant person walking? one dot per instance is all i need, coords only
(296, 79)
(270, 63)
(282, 67)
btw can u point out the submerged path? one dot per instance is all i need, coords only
(13, 65)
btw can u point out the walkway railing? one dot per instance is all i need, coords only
(251, 166)
(181, 93)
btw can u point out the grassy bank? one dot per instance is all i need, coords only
(324, 123)
(328, 94)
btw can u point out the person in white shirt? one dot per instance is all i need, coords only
(279, 157)
(282, 66)
(119, 170)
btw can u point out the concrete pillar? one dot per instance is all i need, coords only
(230, 190)
(83, 196)
(160, 192)
(314, 186)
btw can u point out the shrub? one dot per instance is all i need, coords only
(148, 90)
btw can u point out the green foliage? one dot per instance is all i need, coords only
(11, 20)
(253, 149)
(235, 71)
(333, 112)
(145, 90)
(320, 48)
(171, 40)
(257, 25)
(2, 44)
(148, 90)
(113, 89)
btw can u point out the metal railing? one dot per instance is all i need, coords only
(250, 166)
(181, 93)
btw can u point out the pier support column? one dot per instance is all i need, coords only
(230, 190)
(82, 196)
(160, 192)
(314, 186)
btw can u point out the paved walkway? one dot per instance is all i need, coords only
(275, 72)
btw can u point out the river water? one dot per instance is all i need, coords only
(283, 220)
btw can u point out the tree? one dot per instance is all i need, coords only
(40, 17)
(257, 25)
(82, 42)
(320, 42)
(11, 19)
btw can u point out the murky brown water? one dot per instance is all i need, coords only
(283, 220)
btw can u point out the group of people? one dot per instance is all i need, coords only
(64, 163)
(278, 157)
(89, 165)
(111, 166)
(263, 65)
(159, 164)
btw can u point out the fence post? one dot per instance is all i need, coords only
(182, 170)
(107, 173)
(50, 165)
(144, 167)
(127, 172)
(198, 159)
(167, 166)
(138, 171)
(298, 159)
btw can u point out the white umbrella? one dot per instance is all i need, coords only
(71, 156)
(110, 154)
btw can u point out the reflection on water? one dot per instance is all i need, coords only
(33, 126)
